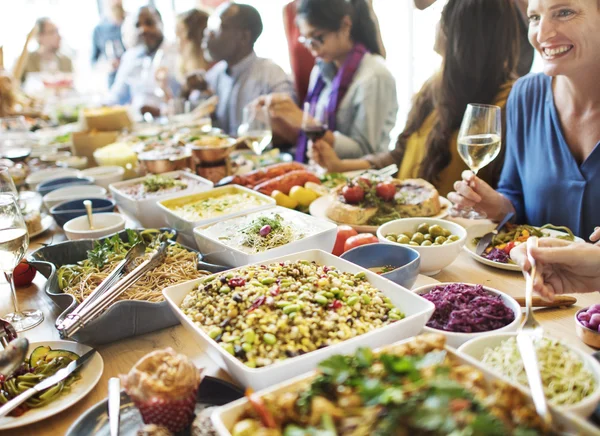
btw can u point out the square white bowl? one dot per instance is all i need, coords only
(186, 227)
(225, 417)
(321, 238)
(417, 311)
(146, 211)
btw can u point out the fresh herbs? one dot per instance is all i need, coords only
(333, 180)
(265, 233)
(154, 183)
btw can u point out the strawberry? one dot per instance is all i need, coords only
(176, 415)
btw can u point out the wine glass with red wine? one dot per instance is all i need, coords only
(314, 126)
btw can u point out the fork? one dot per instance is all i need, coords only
(388, 171)
(530, 330)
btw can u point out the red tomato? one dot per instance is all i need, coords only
(23, 274)
(343, 233)
(353, 194)
(386, 190)
(360, 239)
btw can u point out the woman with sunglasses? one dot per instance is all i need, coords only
(350, 82)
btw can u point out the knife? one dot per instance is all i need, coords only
(559, 301)
(487, 238)
(114, 404)
(45, 384)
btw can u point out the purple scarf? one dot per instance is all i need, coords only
(340, 84)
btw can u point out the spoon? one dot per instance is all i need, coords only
(88, 208)
(13, 356)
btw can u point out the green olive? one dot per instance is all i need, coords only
(423, 228)
(391, 238)
(440, 240)
(418, 237)
(407, 234)
(436, 231)
(428, 237)
(413, 243)
(403, 239)
(448, 241)
(453, 238)
(426, 243)
(446, 232)
(393, 235)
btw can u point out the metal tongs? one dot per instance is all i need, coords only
(111, 288)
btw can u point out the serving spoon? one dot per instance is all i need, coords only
(88, 209)
(13, 356)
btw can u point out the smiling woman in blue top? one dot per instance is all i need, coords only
(551, 172)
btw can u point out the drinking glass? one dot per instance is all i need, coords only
(479, 142)
(14, 241)
(15, 138)
(256, 128)
(7, 185)
(314, 126)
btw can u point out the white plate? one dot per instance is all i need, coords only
(318, 208)
(90, 375)
(479, 230)
(46, 224)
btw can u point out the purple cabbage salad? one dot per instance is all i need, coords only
(462, 308)
(497, 255)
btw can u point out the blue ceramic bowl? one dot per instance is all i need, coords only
(53, 184)
(67, 210)
(405, 260)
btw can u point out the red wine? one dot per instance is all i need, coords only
(315, 132)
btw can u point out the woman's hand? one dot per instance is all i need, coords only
(595, 237)
(473, 192)
(562, 267)
(324, 155)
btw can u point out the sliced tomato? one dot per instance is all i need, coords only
(259, 407)
(509, 247)
(343, 233)
(360, 239)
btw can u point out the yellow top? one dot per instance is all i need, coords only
(416, 150)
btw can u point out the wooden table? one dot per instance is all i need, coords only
(119, 357)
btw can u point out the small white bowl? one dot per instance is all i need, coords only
(55, 157)
(38, 177)
(77, 162)
(104, 224)
(456, 339)
(106, 175)
(433, 258)
(73, 193)
(476, 347)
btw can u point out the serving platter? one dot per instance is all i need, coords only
(318, 209)
(212, 392)
(479, 230)
(90, 375)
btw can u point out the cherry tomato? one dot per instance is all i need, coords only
(360, 239)
(385, 190)
(353, 194)
(343, 233)
(23, 274)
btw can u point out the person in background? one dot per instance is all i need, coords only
(350, 83)
(552, 164)
(106, 39)
(135, 82)
(562, 267)
(47, 58)
(526, 50)
(470, 73)
(301, 59)
(240, 76)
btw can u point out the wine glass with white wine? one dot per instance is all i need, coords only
(256, 128)
(14, 242)
(479, 143)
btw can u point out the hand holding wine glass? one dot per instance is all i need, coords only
(479, 142)
(14, 241)
(256, 128)
(314, 127)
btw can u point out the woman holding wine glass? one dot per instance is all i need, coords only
(552, 162)
(427, 148)
(14, 241)
(350, 81)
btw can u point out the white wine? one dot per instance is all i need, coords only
(479, 150)
(13, 244)
(259, 140)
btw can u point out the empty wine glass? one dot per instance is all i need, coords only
(14, 241)
(7, 185)
(256, 128)
(479, 142)
(314, 127)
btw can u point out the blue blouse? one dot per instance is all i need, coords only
(541, 177)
